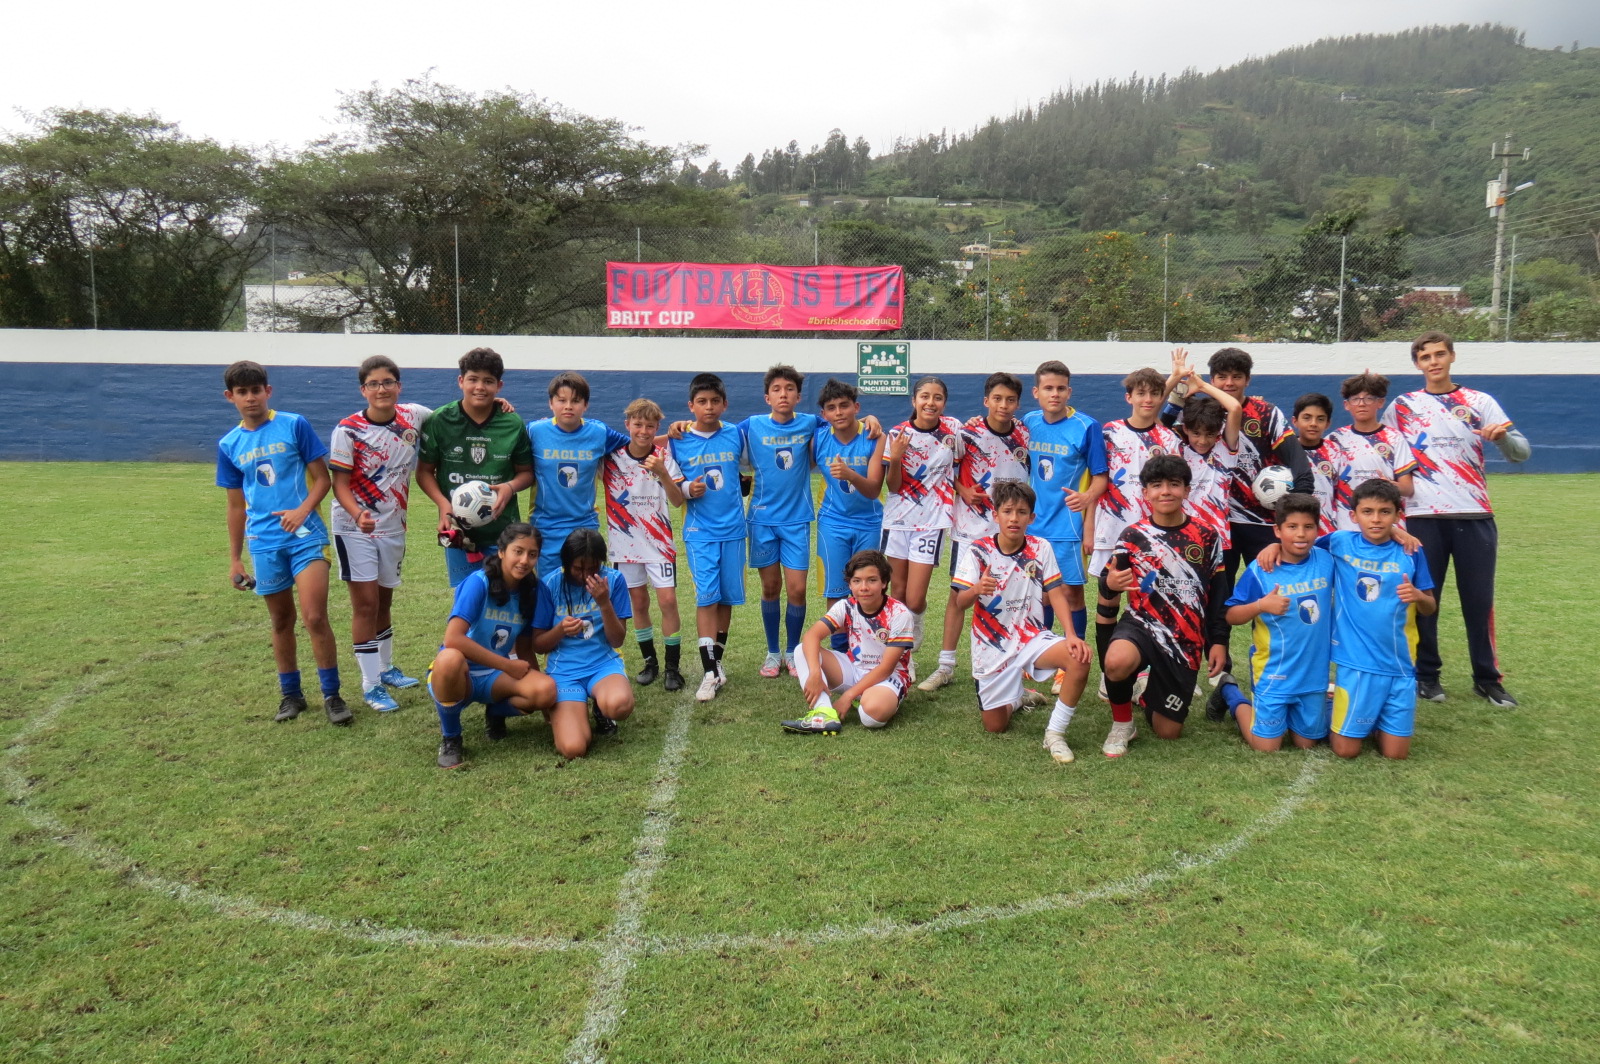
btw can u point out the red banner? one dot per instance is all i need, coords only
(699, 295)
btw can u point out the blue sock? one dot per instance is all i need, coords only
(1080, 622)
(328, 680)
(769, 620)
(840, 642)
(289, 682)
(499, 709)
(1233, 696)
(794, 623)
(1049, 618)
(449, 719)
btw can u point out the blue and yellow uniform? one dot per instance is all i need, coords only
(849, 520)
(579, 661)
(565, 465)
(268, 463)
(1289, 654)
(492, 625)
(781, 508)
(1063, 454)
(713, 524)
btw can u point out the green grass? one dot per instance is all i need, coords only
(1440, 909)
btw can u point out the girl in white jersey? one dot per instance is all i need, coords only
(920, 472)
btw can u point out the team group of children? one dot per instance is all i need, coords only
(1157, 507)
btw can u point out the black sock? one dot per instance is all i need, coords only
(1102, 641)
(708, 657)
(648, 649)
(673, 652)
(722, 644)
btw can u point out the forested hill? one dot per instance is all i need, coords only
(1399, 124)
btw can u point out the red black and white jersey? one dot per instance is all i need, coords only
(1262, 431)
(983, 456)
(927, 477)
(1327, 466)
(380, 458)
(1171, 598)
(1003, 623)
(871, 634)
(1210, 475)
(1442, 431)
(638, 522)
(1127, 450)
(1382, 454)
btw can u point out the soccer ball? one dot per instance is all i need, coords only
(1272, 484)
(473, 504)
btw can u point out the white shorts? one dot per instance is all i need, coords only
(1097, 561)
(363, 559)
(656, 574)
(920, 547)
(849, 673)
(1004, 687)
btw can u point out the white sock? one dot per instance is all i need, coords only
(367, 659)
(1060, 718)
(823, 702)
(869, 722)
(947, 659)
(386, 650)
(916, 631)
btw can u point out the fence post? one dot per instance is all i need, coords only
(638, 244)
(457, 242)
(272, 267)
(816, 246)
(1165, 238)
(1344, 242)
(988, 282)
(94, 291)
(1511, 285)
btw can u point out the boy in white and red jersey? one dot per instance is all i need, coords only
(1371, 449)
(641, 481)
(1313, 413)
(1445, 426)
(372, 455)
(1209, 430)
(1171, 567)
(875, 670)
(988, 449)
(1007, 578)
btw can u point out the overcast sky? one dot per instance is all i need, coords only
(735, 76)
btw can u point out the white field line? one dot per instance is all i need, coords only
(622, 946)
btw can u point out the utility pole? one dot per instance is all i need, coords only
(1498, 192)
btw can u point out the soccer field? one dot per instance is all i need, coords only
(185, 880)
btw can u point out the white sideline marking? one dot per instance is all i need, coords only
(622, 946)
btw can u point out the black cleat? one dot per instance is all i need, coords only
(451, 752)
(647, 675)
(291, 707)
(1495, 695)
(494, 725)
(672, 680)
(1430, 691)
(1216, 703)
(602, 724)
(338, 712)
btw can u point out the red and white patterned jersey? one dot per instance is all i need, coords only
(871, 634)
(1327, 465)
(1210, 475)
(380, 460)
(927, 478)
(1264, 427)
(1127, 450)
(1172, 570)
(1380, 454)
(983, 457)
(638, 522)
(1442, 431)
(1003, 623)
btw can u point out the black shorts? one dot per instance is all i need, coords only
(1170, 687)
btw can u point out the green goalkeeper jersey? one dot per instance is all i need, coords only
(461, 449)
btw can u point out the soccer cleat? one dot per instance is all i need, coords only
(291, 707)
(1494, 694)
(788, 663)
(772, 666)
(494, 726)
(380, 699)
(1056, 743)
(1117, 739)
(1103, 696)
(338, 712)
(1430, 691)
(451, 752)
(647, 675)
(911, 670)
(672, 680)
(820, 722)
(1055, 685)
(1216, 704)
(938, 678)
(1140, 682)
(393, 677)
(708, 687)
(601, 724)
(1032, 699)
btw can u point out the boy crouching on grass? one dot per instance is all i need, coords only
(263, 463)
(875, 670)
(1006, 579)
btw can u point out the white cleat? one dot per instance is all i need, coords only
(1056, 743)
(1103, 696)
(940, 677)
(1122, 733)
(708, 687)
(1055, 685)
(1032, 699)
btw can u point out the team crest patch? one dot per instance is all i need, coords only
(1310, 612)
(1193, 553)
(1461, 413)
(952, 443)
(785, 458)
(567, 475)
(479, 453)
(1030, 568)
(1157, 451)
(1020, 455)
(1047, 468)
(881, 634)
(1252, 426)
(1367, 588)
(266, 476)
(409, 437)
(1325, 468)
(1384, 451)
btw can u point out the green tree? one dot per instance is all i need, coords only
(121, 221)
(1093, 286)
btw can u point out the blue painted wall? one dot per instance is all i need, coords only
(101, 413)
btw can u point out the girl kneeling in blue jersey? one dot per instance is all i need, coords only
(591, 602)
(492, 618)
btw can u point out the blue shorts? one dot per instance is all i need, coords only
(457, 566)
(1306, 715)
(276, 569)
(1364, 702)
(579, 688)
(789, 544)
(718, 571)
(835, 545)
(1069, 559)
(482, 685)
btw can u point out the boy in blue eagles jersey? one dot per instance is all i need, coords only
(567, 449)
(852, 478)
(1290, 612)
(714, 522)
(263, 462)
(1068, 473)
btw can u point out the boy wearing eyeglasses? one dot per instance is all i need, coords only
(1369, 448)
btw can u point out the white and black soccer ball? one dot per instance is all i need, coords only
(1272, 484)
(472, 504)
